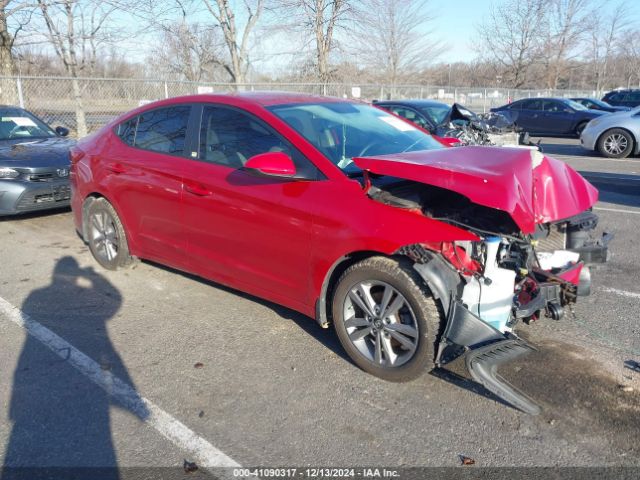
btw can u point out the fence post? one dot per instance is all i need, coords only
(20, 97)
(484, 104)
(166, 90)
(455, 95)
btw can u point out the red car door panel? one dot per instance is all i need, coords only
(146, 185)
(245, 231)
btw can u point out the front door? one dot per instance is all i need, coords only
(253, 233)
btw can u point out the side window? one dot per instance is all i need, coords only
(410, 115)
(229, 137)
(616, 97)
(634, 97)
(532, 105)
(553, 106)
(163, 130)
(127, 130)
(515, 106)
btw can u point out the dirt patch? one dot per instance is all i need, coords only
(579, 397)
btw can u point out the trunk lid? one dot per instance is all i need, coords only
(531, 187)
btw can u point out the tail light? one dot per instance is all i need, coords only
(76, 154)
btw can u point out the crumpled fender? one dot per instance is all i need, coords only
(531, 187)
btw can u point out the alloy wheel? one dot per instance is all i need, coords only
(615, 144)
(380, 323)
(104, 235)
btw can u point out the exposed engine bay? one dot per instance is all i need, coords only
(491, 128)
(489, 286)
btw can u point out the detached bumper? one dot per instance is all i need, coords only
(24, 196)
(485, 349)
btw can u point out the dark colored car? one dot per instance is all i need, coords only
(34, 163)
(554, 117)
(427, 114)
(623, 98)
(416, 253)
(595, 104)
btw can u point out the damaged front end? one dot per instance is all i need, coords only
(487, 288)
(531, 259)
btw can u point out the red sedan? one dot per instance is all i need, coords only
(414, 252)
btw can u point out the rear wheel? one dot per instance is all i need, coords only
(106, 236)
(615, 143)
(386, 319)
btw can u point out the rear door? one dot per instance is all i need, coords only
(530, 116)
(144, 176)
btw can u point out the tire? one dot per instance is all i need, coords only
(615, 143)
(406, 351)
(106, 236)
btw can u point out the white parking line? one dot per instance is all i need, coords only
(618, 210)
(622, 293)
(202, 452)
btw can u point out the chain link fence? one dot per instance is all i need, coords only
(85, 104)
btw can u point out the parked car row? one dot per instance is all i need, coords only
(416, 253)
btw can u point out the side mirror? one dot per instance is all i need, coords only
(271, 164)
(62, 131)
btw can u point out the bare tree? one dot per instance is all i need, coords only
(77, 29)
(236, 38)
(565, 26)
(395, 36)
(191, 51)
(18, 13)
(631, 57)
(320, 19)
(512, 36)
(605, 31)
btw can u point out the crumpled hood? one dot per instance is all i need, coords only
(35, 152)
(530, 186)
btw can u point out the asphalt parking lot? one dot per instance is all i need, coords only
(267, 386)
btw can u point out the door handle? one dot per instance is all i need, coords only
(196, 189)
(116, 168)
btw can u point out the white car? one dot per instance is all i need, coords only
(616, 135)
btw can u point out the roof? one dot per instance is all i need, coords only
(418, 102)
(268, 98)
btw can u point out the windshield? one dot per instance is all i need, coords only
(342, 131)
(436, 113)
(576, 105)
(19, 124)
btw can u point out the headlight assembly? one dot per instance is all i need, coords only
(7, 173)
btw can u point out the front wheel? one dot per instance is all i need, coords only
(386, 319)
(615, 143)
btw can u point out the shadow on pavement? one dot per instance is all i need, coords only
(573, 149)
(60, 418)
(617, 188)
(326, 337)
(37, 214)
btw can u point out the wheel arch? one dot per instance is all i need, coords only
(636, 141)
(323, 308)
(86, 204)
(438, 276)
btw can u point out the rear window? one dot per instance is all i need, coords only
(127, 131)
(163, 130)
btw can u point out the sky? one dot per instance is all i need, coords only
(457, 26)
